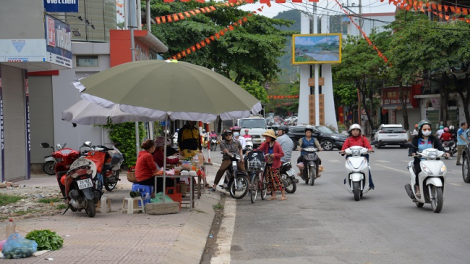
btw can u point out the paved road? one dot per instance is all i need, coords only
(323, 223)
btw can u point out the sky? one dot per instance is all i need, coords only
(325, 7)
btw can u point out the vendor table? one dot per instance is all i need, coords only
(192, 180)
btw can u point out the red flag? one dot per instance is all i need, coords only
(202, 10)
(249, 1)
(187, 14)
(264, 1)
(208, 41)
(192, 12)
(222, 32)
(168, 17)
(193, 48)
(232, 1)
(158, 20)
(197, 11)
(175, 17)
(230, 27)
(181, 15)
(464, 11)
(198, 46)
(163, 19)
(212, 38)
(212, 8)
(183, 53)
(178, 55)
(217, 35)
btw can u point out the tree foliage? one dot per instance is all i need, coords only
(248, 53)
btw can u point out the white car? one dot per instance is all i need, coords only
(391, 134)
(256, 126)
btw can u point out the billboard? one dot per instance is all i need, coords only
(59, 42)
(61, 5)
(316, 48)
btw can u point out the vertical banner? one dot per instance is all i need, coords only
(28, 126)
(2, 130)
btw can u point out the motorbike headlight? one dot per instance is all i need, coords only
(427, 170)
(443, 169)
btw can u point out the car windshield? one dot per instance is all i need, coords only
(252, 123)
(325, 130)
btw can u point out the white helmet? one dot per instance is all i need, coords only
(355, 126)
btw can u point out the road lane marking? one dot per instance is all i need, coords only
(224, 238)
(455, 184)
(334, 161)
(390, 168)
(384, 161)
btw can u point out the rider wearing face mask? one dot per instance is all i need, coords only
(422, 141)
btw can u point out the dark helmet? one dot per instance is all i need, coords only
(309, 127)
(284, 128)
(424, 122)
(228, 131)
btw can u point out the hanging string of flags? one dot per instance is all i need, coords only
(214, 37)
(186, 14)
(434, 8)
(283, 96)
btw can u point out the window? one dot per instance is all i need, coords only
(87, 61)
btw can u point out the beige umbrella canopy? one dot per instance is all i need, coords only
(179, 90)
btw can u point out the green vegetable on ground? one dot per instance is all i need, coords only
(46, 239)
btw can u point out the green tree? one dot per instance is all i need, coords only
(248, 53)
(124, 134)
(256, 89)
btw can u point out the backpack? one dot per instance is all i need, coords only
(255, 161)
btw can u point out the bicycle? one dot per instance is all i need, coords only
(259, 183)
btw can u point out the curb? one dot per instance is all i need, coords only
(190, 244)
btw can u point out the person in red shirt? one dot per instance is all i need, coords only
(158, 154)
(357, 139)
(446, 136)
(246, 134)
(146, 168)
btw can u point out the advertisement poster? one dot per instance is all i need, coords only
(316, 48)
(59, 42)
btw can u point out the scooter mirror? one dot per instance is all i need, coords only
(45, 145)
(409, 145)
(59, 146)
(87, 144)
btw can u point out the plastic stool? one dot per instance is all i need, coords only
(105, 204)
(131, 205)
(144, 190)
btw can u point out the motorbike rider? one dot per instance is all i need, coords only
(440, 131)
(422, 141)
(236, 136)
(357, 139)
(462, 140)
(229, 147)
(246, 134)
(415, 131)
(453, 132)
(286, 143)
(306, 142)
(446, 136)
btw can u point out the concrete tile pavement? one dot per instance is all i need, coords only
(121, 238)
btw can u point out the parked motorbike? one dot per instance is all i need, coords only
(431, 179)
(450, 147)
(78, 188)
(310, 171)
(213, 143)
(60, 159)
(108, 163)
(238, 181)
(288, 177)
(357, 170)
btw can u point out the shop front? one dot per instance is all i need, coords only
(392, 106)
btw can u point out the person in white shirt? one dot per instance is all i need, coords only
(241, 139)
(440, 131)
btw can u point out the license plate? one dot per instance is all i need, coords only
(83, 184)
(291, 172)
(446, 148)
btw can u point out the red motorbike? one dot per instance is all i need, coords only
(60, 160)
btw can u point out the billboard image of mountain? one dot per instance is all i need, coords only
(316, 48)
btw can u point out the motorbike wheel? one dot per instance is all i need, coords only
(238, 192)
(110, 186)
(49, 167)
(90, 208)
(264, 187)
(357, 191)
(312, 175)
(291, 187)
(418, 204)
(254, 189)
(437, 199)
(465, 170)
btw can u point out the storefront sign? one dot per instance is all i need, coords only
(391, 96)
(22, 50)
(59, 42)
(61, 5)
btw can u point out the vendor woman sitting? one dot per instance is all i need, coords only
(158, 154)
(146, 168)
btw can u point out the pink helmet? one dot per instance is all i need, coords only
(446, 129)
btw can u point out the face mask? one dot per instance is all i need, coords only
(236, 134)
(426, 133)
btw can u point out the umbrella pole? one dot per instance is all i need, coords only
(164, 163)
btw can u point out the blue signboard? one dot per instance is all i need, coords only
(61, 5)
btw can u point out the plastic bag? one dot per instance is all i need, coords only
(18, 247)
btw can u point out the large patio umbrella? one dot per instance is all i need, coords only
(88, 113)
(162, 89)
(179, 90)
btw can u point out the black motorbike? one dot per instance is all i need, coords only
(238, 181)
(288, 177)
(310, 171)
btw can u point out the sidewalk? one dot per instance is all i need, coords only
(121, 238)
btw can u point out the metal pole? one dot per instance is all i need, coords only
(317, 87)
(132, 26)
(147, 12)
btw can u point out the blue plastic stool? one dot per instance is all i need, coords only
(144, 190)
